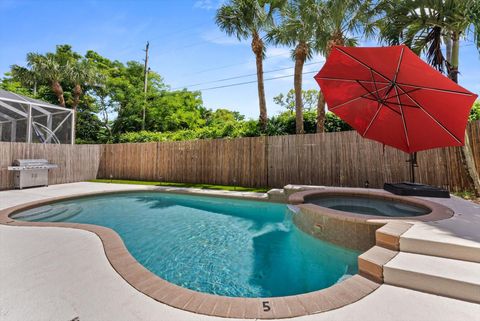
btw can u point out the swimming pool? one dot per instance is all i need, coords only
(220, 246)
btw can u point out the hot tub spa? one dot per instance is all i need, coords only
(370, 205)
(350, 217)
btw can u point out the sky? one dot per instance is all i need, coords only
(186, 47)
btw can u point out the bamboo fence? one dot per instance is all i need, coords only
(333, 159)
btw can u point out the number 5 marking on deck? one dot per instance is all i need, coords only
(266, 306)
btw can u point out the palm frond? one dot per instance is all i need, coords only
(433, 42)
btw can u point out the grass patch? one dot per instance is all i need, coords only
(467, 195)
(202, 186)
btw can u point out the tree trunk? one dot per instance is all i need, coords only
(453, 75)
(469, 163)
(257, 48)
(104, 110)
(297, 85)
(336, 40)
(467, 154)
(77, 92)
(58, 90)
(320, 113)
(448, 50)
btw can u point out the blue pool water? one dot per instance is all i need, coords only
(216, 245)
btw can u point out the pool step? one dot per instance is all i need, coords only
(53, 213)
(430, 240)
(50, 214)
(66, 215)
(442, 276)
(388, 236)
(41, 213)
(371, 262)
(34, 213)
(423, 238)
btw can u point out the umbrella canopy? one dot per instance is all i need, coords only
(390, 95)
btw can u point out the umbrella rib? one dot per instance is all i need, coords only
(397, 104)
(398, 95)
(373, 119)
(405, 131)
(433, 118)
(368, 90)
(352, 80)
(385, 104)
(362, 63)
(373, 79)
(353, 99)
(437, 89)
(374, 82)
(346, 102)
(398, 66)
(377, 98)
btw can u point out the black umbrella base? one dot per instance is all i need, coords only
(414, 189)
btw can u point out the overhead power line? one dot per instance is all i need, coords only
(253, 81)
(230, 65)
(180, 31)
(194, 44)
(243, 76)
(169, 35)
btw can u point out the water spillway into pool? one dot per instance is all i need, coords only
(222, 246)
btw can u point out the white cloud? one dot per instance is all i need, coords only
(203, 4)
(224, 40)
(219, 38)
(278, 52)
(208, 4)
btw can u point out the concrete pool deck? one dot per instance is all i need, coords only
(50, 273)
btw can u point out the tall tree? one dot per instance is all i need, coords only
(425, 26)
(298, 28)
(61, 77)
(340, 20)
(250, 19)
(309, 100)
(80, 75)
(28, 76)
(43, 69)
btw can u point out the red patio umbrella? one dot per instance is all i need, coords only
(390, 95)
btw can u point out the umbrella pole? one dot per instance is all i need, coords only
(413, 164)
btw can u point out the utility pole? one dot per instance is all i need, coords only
(145, 85)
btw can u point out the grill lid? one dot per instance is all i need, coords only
(30, 162)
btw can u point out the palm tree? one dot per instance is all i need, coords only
(298, 29)
(340, 19)
(426, 25)
(28, 77)
(249, 19)
(81, 74)
(43, 69)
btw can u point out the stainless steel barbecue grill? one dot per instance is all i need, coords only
(31, 172)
